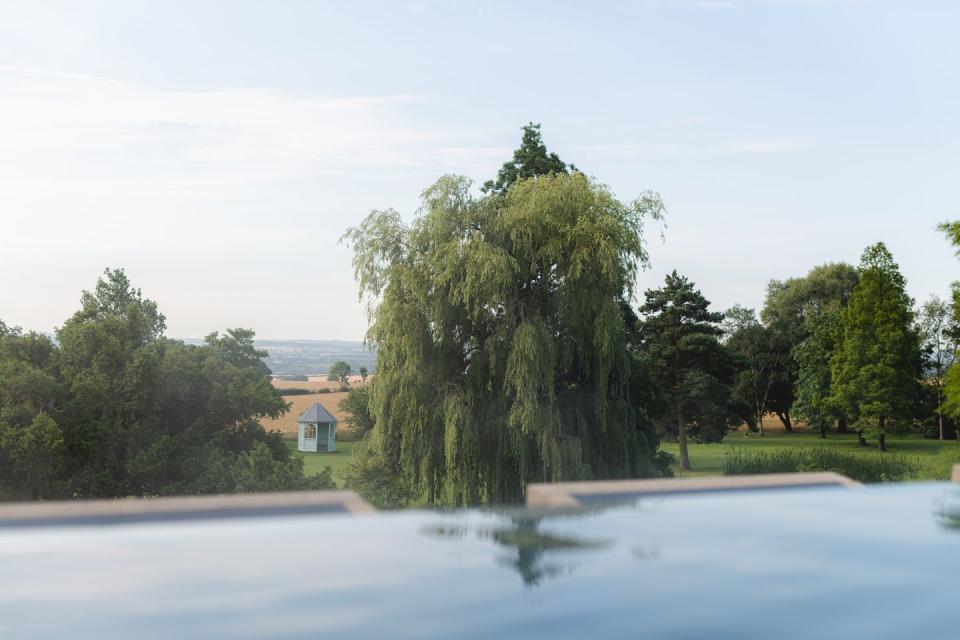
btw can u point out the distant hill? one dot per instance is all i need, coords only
(311, 357)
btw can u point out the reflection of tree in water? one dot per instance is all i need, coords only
(948, 516)
(529, 546)
(532, 545)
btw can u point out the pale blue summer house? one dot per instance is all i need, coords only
(317, 430)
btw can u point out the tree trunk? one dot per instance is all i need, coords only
(785, 419)
(760, 421)
(940, 410)
(842, 426)
(823, 430)
(860, 439)
(682, 441)
(882, 441)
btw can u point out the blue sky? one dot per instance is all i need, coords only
(217, 150)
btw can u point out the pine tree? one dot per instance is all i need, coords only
(875, 368)
(529, 161)
(680, 338)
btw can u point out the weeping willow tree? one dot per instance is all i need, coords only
(503, 337)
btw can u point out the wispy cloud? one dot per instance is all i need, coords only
(740, 146)
(89, 126)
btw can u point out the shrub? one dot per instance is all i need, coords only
(860, 467)
(295, 391)
(368, 475)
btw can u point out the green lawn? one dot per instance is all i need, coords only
(934, 457)
(315, 462)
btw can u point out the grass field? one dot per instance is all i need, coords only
(315, 462)
(934, 457)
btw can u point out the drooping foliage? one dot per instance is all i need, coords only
(356, 409)
(875, 369)
(502, 353)
(116, 409)
(694, 369)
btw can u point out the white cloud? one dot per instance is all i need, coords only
(55, 123)
(737, 146)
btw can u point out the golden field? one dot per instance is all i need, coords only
(287, 423)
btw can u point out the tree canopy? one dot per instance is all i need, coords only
(763, 360)
(792, 309)
(116, 409)
(499, 322)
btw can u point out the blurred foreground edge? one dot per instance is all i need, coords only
(581, 494)
(131, 510)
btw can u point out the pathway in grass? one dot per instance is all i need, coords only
(935, 458)
(315, 462)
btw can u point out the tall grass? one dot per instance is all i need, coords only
(860, 467)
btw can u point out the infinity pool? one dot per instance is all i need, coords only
(877, 562)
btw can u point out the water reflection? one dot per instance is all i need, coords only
(529, 548)
(947, 512)
(531, 552)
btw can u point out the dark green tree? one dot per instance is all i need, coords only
(530, 160)
(116, 409)
(762, 360)
(502, 355)
(696, 372)
(791, 312)
(875, 368)
(812, 356)
(32, 456)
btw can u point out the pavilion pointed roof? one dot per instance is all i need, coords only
(317, 413)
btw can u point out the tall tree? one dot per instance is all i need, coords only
(792, 311)
(875, 369)
(812, 356)
(680, 338)
(763, 361)
(938, 333)
(502, 355)
(531, 159)
(951, 386)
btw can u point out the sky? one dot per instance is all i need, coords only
(218, 150)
